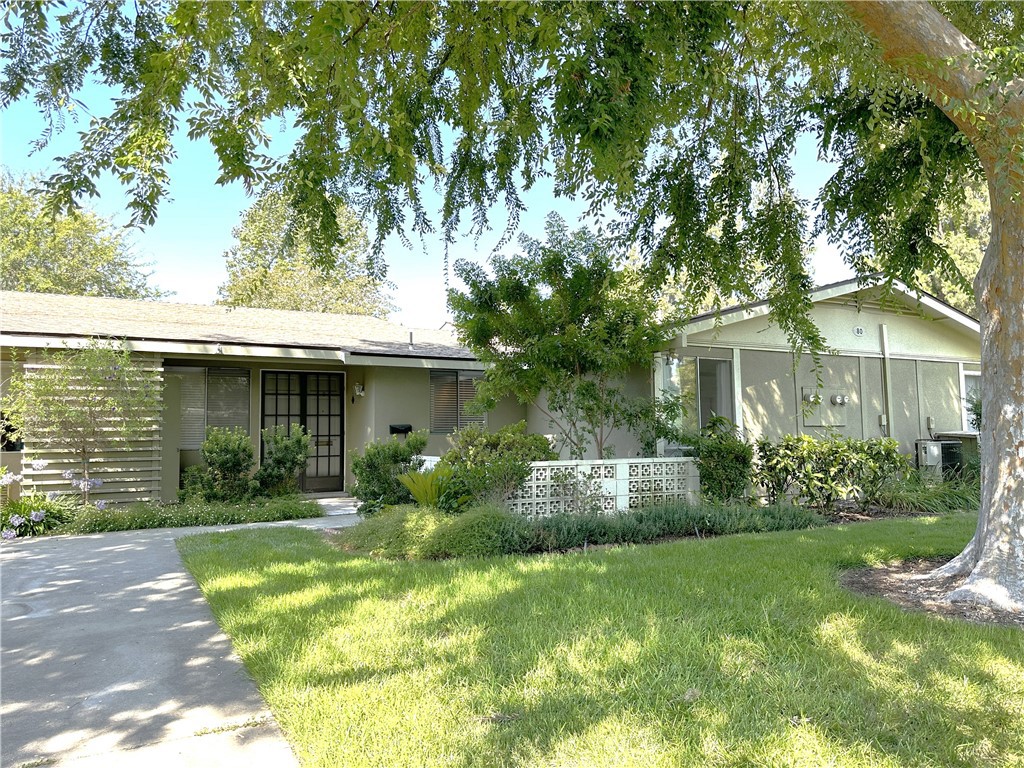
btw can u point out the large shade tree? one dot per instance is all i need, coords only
(271, 266)
(963, 232)
(78, 253)
(680, 116)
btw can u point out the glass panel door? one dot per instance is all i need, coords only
(314, 401)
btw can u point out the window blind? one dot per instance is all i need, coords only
(467, 391)
(450, 391)
(193, 408)
(227, 398)
(444, 401)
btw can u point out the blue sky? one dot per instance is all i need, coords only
(185, 247)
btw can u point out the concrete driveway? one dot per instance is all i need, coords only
(111, 657)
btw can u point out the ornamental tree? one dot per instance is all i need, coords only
(681, 117)
(560, 326)
(84, 401)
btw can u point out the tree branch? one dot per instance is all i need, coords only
(914, 37)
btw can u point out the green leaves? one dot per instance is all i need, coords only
(428, 487)
(562, 320)
(822, 472)
(272, 266)
(675, 120)
(77, 254)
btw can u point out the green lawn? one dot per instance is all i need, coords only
(739, 650)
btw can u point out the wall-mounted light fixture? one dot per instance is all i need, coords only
(360, 390)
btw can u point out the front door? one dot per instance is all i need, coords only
(314, 401)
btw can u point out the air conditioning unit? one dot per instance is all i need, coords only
(940, 458)
(952, 458)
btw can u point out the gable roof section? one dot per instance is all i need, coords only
(32, 315)
(922, 301)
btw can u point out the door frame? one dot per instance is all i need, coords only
(344, 415)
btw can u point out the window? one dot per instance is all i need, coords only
(714, 389)
(449, 393)
(211, 397)
(703, 384)
(970, 394)
(7, 441)
(227, 398)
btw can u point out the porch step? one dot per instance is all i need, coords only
(335, 504)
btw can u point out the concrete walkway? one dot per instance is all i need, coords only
(111, 657)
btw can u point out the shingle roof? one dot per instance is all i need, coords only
(42, 314)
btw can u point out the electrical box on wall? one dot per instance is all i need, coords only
(824, 407)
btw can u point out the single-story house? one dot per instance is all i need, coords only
(903, 365)
(348, 379)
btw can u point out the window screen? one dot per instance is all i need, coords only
(227, 398)
(970, 401)
(714, 389)
(450, 391)
(211, 397)
(193, 408)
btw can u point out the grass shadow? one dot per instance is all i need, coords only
(740, 650)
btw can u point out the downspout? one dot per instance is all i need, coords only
(737, 393)
(885, 418)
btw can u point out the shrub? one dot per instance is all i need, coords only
(724, 461)
(822, 472)
(563, 532)
(425, 533)
(492, 466)
(377, 471)
(396, 532)
(913, 493)
(777, 467)
(880, 463)
(484, 531)
(191, 512)
(579, 495)
(284, 457)
(34, 514)
(228, 460)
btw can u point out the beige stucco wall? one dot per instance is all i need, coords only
(772, 397)
(637, 384)
(909, 334)
(925, 356)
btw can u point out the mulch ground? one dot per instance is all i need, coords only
(901, 583)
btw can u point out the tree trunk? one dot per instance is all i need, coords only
(994, 559)
(909, 33)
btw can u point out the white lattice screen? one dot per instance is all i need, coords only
(620, 484)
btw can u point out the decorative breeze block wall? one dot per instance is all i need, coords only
(618, 484)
